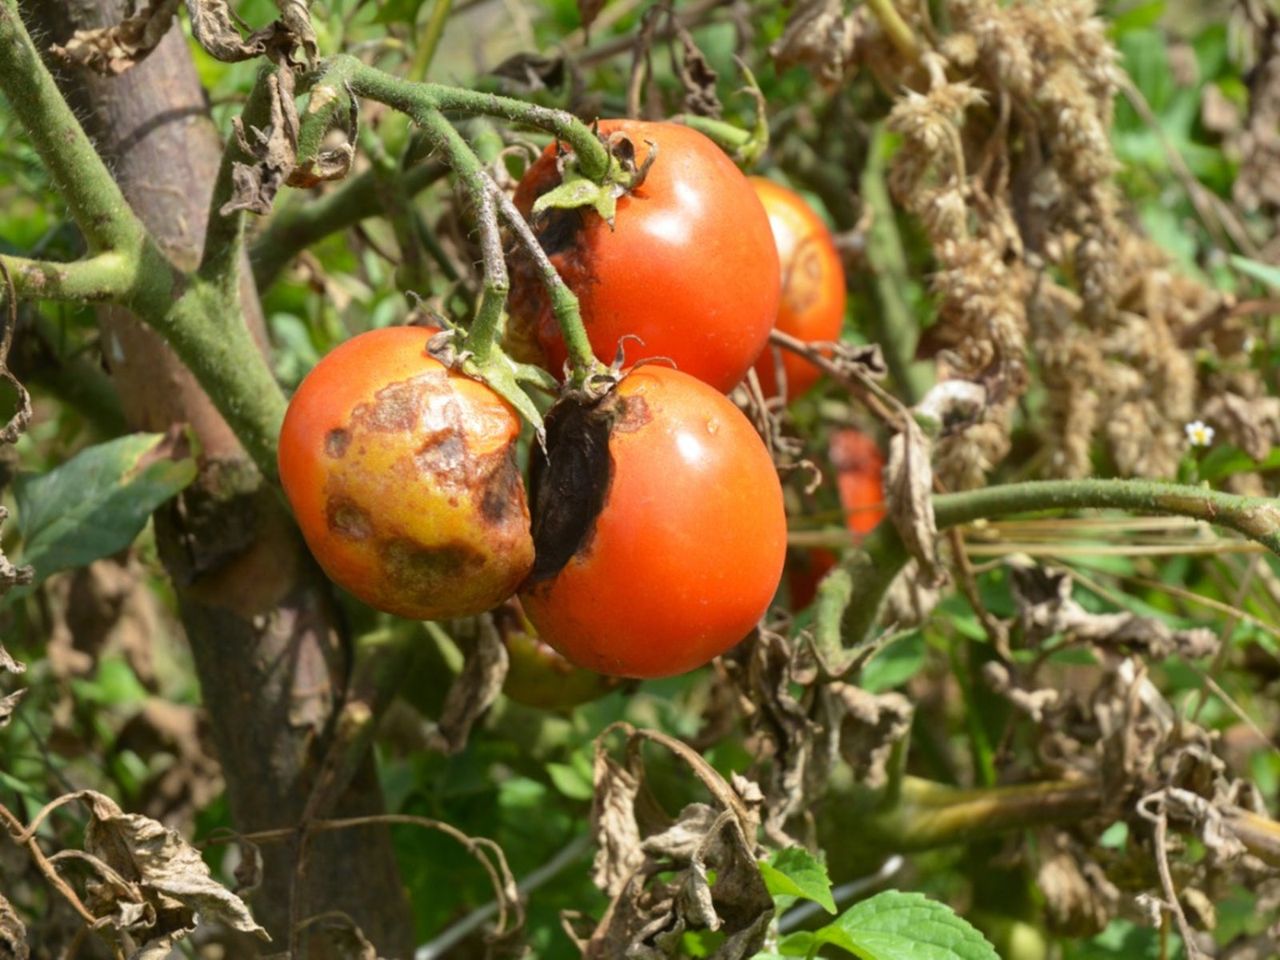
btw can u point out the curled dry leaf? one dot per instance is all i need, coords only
(113, 50)
(473, 691)
(274, 152)
(1046, 608)
(155, 885)
(909, 491)
(213, 24)
(867, 727)
(696, 76)
(820, 36)
(9, 665)
(1079, 898)
(344, 939)
(13, 934)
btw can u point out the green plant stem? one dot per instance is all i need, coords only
(897, 30)
(419, 99)
(101, 278)
(78, 173)
(882, 555)
(301, 224)
(224, 233)
(487, 324)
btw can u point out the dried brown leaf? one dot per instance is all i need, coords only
(113, 50)
(473, 691)
(13, 934)
(274, 152)
(909, 491)
(614, 825)
(869, 727)
(344, 939)
(159, 876)
(1079, 899)
(820, 36)
(697, 77)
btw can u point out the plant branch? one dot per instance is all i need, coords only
(882, 555)
(420, 99)
(79, 174)
(106, 277)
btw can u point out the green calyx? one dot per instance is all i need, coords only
(576, 190)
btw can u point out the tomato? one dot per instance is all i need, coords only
(402, 476)
(859, 479)
(813, 289)
(538, 676)
(689, 265)
(685, 536)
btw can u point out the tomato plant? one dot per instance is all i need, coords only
(403, 479)
(681, 545)
(813, 291)
(689, 266)
(537, 676)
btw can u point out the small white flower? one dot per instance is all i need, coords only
(1199, 433)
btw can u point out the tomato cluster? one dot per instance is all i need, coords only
(654, 536)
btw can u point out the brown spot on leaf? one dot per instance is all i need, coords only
(346, 519)
(336, 442)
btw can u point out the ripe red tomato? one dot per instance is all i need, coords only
(689, 265)
(859, 478)
(403, 478)
(687, 548)
(538, 676)
(813, 289)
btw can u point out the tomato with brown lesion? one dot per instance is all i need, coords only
(403, 479)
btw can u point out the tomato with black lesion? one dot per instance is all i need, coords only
(403, 478)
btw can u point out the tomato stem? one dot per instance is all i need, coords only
(882, 555)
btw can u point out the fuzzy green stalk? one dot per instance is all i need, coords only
(101, 278)
(882, 555)
(419, 99)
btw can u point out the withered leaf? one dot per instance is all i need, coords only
(869, 726)
(168, 881)
(297, 21)
(697, 77)
(344, 938)
(8, 704)
(1080, 901)
(113, 50)
(909, 490)
(274, 152)
(13, 934)
(613, 825)
(8, 664)
(473, 691)
(820, 36)
(532, 71)
(1046, 608)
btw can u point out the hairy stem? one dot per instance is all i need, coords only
(102, 278)
(883, 555)
(420, 99)
(79, 174)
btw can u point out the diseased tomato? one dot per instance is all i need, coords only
(659, 525)
(403, 478)
(859, 466)
(813, 289)
(538, 676)
(689, 265)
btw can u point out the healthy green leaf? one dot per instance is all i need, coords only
(906, 926)
(795, 872)
(97, 502)
(1262, 272)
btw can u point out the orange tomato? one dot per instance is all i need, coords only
(859, 468)
(402, 476)
(813, 288)
(686, 550)
(689, 265)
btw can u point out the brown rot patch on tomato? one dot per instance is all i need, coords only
(347, 519)
(444, 454)
(502, 497)
(336, 442)
(632, 414)
(395, 409)
(557, 230)
(568, 486)
(420, 568)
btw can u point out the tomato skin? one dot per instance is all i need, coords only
(859, 468)
(689, 266)
(687, 551)
(813, 288)
(402, 476)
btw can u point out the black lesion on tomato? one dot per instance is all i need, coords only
(569, 484)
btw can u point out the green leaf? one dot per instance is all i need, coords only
(906, 926)
(398, 11)
(97, 502)
(795, 872)
(578, 191)
(1262, 272)
(570, 781)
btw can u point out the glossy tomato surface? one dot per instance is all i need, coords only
(689, 265)
(687, 550)
(403, 479)
(813, 288)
